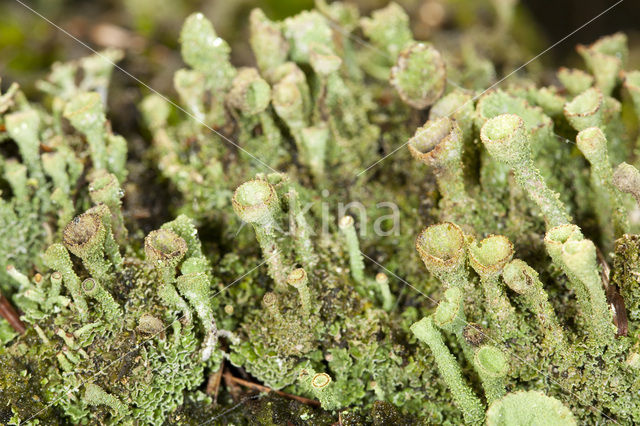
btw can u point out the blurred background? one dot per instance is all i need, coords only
(28, 44)
(148, 31)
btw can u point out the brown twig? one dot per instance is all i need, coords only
(213, 385)
(9, 313)
(231, 385)
(229, 378)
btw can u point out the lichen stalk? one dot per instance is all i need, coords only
(492, 366)
(164, 250)
(85, 237)
(580, 258)
(438, 144)
(382, 281)
(299, 280)
(507, 140)
(524, 280)
(301, 231)
(626, 178)
(57, 258)
(113, 311)
(356, 261)
(464, 397)
(86, 113)
(450, 316)
(106, 189)
(488, 258)
(257, 203)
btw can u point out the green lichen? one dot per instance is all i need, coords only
(273, 262)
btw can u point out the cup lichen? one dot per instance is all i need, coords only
(136, 282)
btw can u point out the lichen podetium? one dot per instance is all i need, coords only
(504, 289)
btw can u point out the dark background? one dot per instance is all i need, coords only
(149, 29)
(559, 17)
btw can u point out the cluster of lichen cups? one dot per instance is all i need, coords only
(318, 108)
(446, 249)
(91, 237)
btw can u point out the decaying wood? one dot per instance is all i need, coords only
(614, 298)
